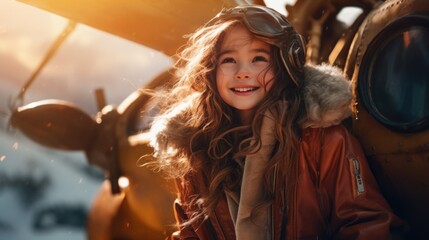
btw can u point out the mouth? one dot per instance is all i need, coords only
(244, 90)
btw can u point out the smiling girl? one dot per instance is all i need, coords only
(232, 134)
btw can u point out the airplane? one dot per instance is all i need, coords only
(384, 51)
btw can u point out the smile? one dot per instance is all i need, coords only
(248, 89)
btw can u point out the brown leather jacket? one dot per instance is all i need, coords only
(336, 196)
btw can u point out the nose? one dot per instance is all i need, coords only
(243, 72)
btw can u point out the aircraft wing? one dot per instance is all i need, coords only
(158, 24)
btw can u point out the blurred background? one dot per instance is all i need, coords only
(46, 193)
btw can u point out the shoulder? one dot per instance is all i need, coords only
(337, 132)
(335, 138)
(333, 133)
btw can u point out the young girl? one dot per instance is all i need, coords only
(250, 163)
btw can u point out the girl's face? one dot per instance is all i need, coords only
(243, 74)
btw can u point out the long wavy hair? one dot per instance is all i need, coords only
(214, 137)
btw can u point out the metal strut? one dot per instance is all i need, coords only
(61, 38)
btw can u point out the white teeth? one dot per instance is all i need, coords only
(243, 89)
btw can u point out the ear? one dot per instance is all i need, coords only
(293, 56)
(297, 52)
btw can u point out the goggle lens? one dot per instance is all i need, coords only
(263, 24)
(259, 21)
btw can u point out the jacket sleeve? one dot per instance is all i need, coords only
(357, 208)
(185, 231)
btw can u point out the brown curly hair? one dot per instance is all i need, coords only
(210, 136)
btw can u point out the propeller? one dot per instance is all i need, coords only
(56, 124)
(60, 124)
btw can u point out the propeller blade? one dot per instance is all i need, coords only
(56, 124)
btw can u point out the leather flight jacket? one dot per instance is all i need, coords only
(335, 197)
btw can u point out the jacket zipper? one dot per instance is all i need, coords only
(357, 175)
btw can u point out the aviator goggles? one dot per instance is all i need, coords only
(273, 28)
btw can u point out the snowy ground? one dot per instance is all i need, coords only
(44, 194)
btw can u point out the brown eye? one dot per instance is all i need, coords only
(260, 59)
